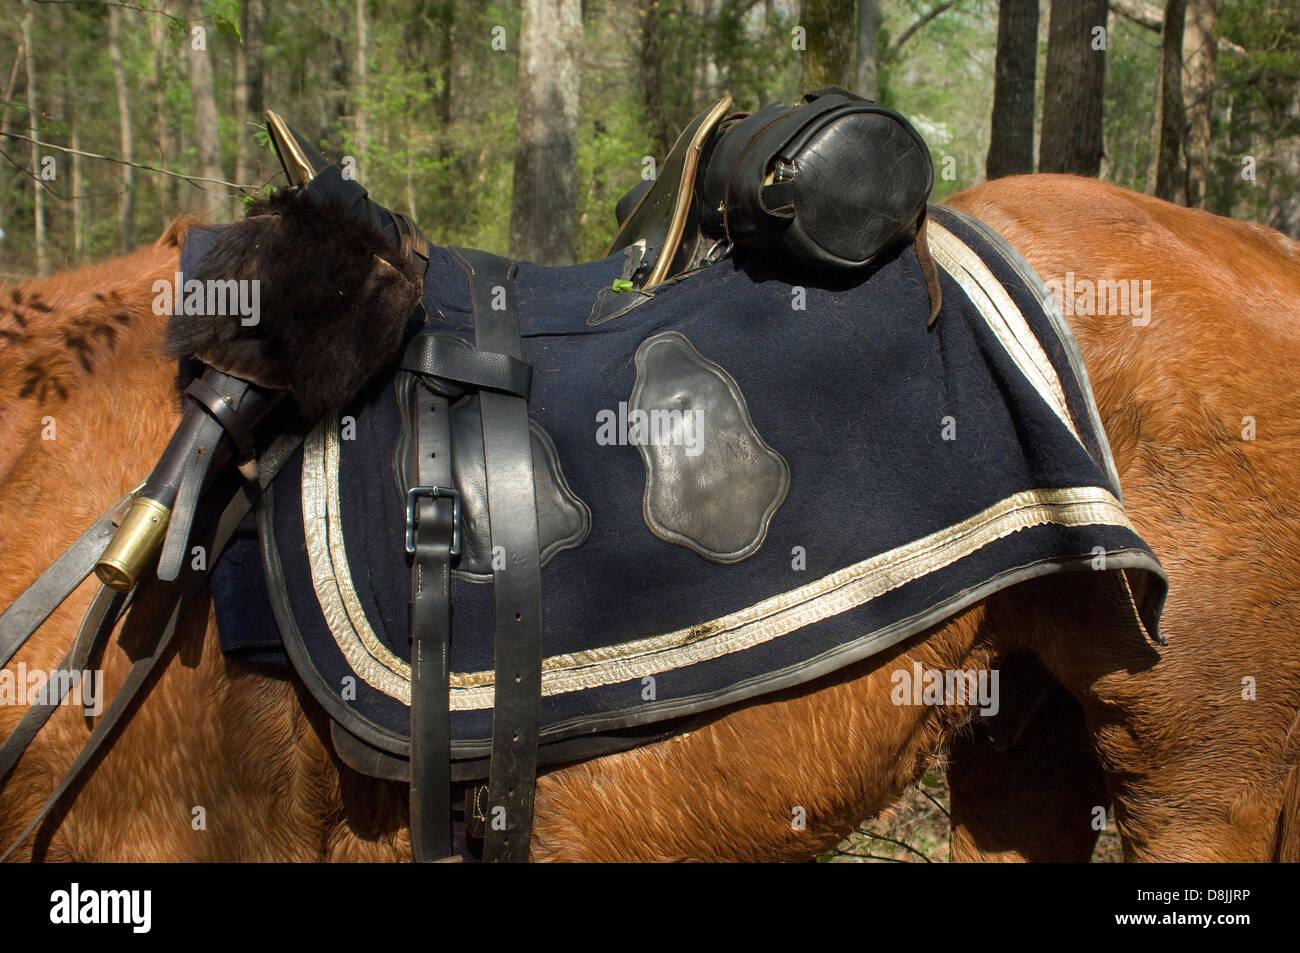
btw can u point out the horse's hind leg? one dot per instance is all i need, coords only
(1031, 790)
(1197, 767)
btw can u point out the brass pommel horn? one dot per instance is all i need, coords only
(299, 159)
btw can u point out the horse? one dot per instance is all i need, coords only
(1194, 744)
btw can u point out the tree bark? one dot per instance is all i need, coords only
(1283, 200)
(207, 133)
(248, 89)
(4, 125)
(34, 132)
(652, 77)
(1199, 51)
(1011, 145)
(543, 215)
(1146, 15)
(866, 82)
(165, 135)
(78, 182)
(126, 202)
(1071, 139)
(831, 39)
(1170, 183)
(363, 72)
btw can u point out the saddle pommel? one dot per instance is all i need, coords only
(135, 545)
(300, 161)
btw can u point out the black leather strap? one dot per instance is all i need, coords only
(222, 408)
(141, 672)
(432, 514)
(450, 358)
(26, 614)
(194, 478)
(232, 407)
(99, 622)
(30, 724)
(512, 515)
(54, 585)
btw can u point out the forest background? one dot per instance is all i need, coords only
(516, 126)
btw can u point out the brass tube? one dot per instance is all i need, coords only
(135, 544)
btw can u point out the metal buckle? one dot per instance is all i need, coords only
(436, 493)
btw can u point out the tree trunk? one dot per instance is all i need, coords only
(4, 127)
(831, 39)
(359, 106)
(543, 214)
(248, 90)
(1283, 199)
(445, 185)
(1076, 75)
(865, 79)
(34, 132)
(165, 136)
(336, 98)
(652, 77)
(1200, 39)
(78, 183)
(126, 203)
(446, 21)
(1170, 182)
(207, 134)
(1011, 145)
(410, 170)
(1236, 132)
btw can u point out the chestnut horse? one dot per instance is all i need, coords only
(1195, 745)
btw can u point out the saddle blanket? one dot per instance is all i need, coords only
(757, 478)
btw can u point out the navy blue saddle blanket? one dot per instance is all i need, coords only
(754, 483)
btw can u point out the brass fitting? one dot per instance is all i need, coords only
(135, 544)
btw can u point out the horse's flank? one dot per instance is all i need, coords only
(1200, 406)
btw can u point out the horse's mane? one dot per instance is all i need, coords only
(56, 329)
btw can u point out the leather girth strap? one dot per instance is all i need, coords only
(512, 517)
(432, 538)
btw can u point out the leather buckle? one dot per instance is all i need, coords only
(435, 493)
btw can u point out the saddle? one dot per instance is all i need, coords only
(653, 515)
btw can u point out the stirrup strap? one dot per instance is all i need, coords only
(433, 513)
(512, 517)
